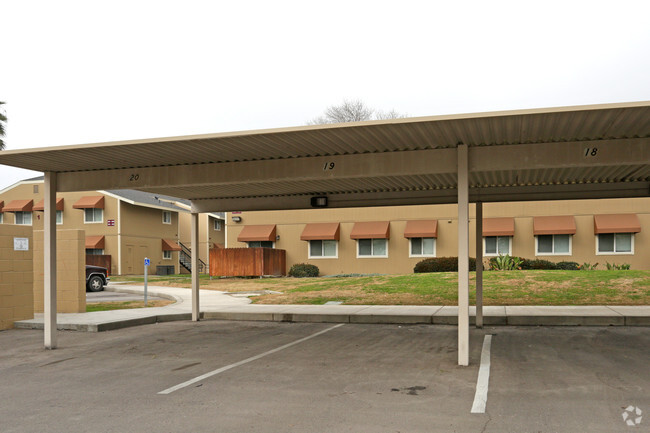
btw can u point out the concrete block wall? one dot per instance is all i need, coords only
(16, 276)
(71, 271)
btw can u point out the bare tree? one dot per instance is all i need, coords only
(3, 120)
(353, 111)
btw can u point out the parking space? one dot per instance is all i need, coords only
(309, 377)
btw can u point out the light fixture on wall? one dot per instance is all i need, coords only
(319, 201)
(236, 219)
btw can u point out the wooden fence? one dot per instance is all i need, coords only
(247, 262)
(99, 260)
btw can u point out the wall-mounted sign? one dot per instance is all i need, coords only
(21, 244)
(110, 223)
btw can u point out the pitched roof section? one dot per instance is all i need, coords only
(619, 223)
(421, 229)
(498, 227)
(371, 230)
(554, 225)
(19, 206)
(257, 233)
(321, 232)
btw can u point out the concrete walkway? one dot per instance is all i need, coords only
(219, 305)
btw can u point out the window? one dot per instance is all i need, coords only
(94, 252)
(24, 218)
(496, 245)
(93, 215)
(167, 217)
(217, 225)
(261, 244)
(59, 217)
(423, 247)
(372, 248)
(2, 217)
(167, 255)
(323, 249)
(615, 243)
(554, 245)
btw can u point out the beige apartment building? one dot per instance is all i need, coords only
(123, 226)
(389, 240)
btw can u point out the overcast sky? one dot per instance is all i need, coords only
(74, 72)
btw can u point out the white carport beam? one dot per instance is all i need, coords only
(479, 264)
(195, 266)
(463, 256)
(49, 259)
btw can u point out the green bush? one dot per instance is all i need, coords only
(505, 263)
(441, 264)
(538, 264)
(615, 267)
(302, 270)
(567, 266)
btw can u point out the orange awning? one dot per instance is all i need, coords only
(554, 225)
(2, 203)
(619, 223)
(421, 229)
(169, 245)
(257, 233)
(371, 230)
(41, 204)
(19, 206)
(498, 227)
(90, 202)
(321, 232)
(95, 242)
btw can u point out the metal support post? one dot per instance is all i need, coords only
(463, 256)
(479, 264)
(49, 260)
(195, 266)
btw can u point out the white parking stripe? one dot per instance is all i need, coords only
(480, 398)
(245, 361)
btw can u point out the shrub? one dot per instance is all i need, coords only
(586, 266)
(538, 264)
(615, 267)
(505, 263)
(302, 270)
(567, 266)
(441, 264)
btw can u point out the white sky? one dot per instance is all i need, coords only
(75, 72)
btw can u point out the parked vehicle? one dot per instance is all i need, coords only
(96, 278)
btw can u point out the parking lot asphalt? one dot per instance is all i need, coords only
(318, 377)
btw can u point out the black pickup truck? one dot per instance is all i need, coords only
(96, 278)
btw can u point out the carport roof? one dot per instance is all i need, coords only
(514, 155)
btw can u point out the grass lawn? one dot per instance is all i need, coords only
(123, 305)
(499, 288)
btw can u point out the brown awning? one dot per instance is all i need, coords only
(619, 223)
(41, 204)
(2, 203)
(371, 230)
(95, 242)
(554, 225)
(90, 202)
(19, 206)
(498, 227)
(257, 233)
(169, 245)
(321, 232)
(421, 229)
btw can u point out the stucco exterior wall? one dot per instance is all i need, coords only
(16, 276)
(291, 223)
(71, 273)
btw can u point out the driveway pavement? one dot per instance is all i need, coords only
(318, 377)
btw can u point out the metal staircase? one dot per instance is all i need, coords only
(185, 258)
